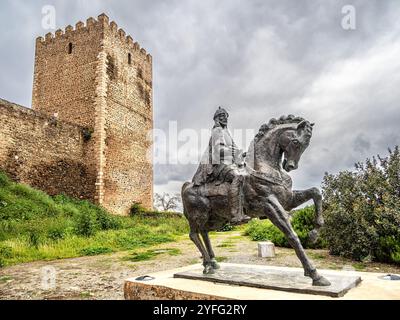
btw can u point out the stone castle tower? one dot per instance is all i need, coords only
(96, 78)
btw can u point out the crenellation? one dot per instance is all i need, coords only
(129, 41)
(49, 37)
(39, 40)
(136, 46)
(122, 34)
(79, 25)
(114, 27)
(69, 29)
(104, 19)
(59, 33)
(91, 23)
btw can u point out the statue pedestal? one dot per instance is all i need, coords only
(255, 282)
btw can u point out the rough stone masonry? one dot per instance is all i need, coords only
(88, 132)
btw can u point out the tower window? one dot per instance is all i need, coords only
(70, 47)
(111, 70)
(129, 58)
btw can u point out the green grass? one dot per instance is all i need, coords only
(4, 279)
(221, 259)
(226, 244)
(318, 256)
(151, 254)
(35, 226)
(359, 266)
(85, 295)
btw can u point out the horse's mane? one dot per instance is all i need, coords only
(271, 125)
(274, 123)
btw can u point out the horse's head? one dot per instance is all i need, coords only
(285, 137)
(293, 142)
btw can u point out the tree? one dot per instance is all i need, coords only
(167, 202)
(362, 210)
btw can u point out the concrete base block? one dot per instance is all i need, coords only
(165, 285)
(266, 250)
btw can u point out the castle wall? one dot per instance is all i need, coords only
(128, 120)
(45, 153)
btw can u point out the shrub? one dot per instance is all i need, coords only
(34, 239)
(137, 209)
(362, 210)
(5, 253)
(302, 222)
(86, 224)
(106, 220)
(56, 234)
(4, 180)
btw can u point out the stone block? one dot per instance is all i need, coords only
(266, 250)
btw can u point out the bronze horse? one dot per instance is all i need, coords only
(267, 192)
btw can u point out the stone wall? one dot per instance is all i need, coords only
(128, 171)
(47, 154)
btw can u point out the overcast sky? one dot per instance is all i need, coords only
(260, 59)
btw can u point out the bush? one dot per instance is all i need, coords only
(302, 222)
(362, 210)
(4, 180)
(107, 221)
(56, 234)
(34, 239)
(137, 209)
(86, 224)
(5, 253)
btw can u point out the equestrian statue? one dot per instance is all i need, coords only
(231, 186)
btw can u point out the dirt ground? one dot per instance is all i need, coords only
(102, 277)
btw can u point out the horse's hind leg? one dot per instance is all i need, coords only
(210, 250)
(194, 236)
(280, 218)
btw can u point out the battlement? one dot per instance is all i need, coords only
(92, 25)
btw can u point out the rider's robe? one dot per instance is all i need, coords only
(219, 158)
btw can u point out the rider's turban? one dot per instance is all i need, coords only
(220, 111)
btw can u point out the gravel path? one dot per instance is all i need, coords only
(102, 277)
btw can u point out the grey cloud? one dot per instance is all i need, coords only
(361, 144)
(259, 58)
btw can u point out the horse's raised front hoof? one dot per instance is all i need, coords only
(215, 265)
(208, 269)
(321, 282)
